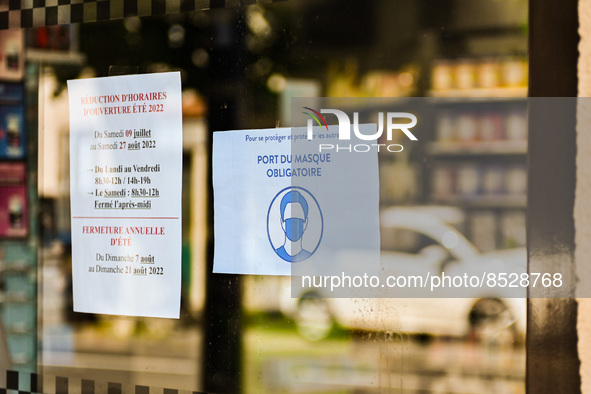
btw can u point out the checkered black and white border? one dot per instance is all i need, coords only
(29, 383)
(16, 14)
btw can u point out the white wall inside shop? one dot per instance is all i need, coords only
(195, 143)
(53, 130)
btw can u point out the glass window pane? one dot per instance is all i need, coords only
(456, 197)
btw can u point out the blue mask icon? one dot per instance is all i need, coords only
(294, 228)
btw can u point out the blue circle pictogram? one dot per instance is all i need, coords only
(294, 224)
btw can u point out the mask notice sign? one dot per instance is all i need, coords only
(283, 205)
(125, 185)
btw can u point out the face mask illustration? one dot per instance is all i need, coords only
(294, 228)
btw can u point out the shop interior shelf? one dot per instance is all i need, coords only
(502, 147)
(488, 94)
(480, 201)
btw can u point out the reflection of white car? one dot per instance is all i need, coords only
(416, 241)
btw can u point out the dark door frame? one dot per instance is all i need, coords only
(552, 358)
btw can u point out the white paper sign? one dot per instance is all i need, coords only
(125, 184)
(281, 204)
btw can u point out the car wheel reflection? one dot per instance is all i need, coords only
(492, 323)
